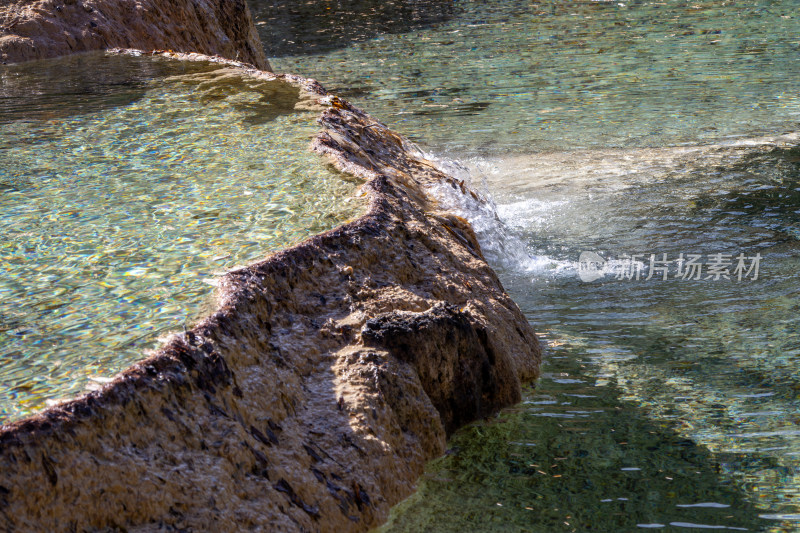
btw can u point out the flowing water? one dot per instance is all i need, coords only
(627, 130)
(126, 186)
(659, 139)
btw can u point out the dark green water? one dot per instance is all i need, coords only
(697, 377)
(620, 128)
(526, 75)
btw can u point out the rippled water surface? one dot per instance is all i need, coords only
(126, 186)
(631, 128)
(671, 402)
(621, 128)
(522, 75)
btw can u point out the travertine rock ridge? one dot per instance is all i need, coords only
(312, 398)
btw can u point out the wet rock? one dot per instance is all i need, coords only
(48, 28)
(459, 369)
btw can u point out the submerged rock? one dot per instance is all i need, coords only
(48, 28)
(312, 398)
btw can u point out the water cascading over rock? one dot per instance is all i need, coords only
(329, 374)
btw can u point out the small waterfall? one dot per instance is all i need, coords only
(500, 242)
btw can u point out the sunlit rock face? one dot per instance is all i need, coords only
(313, 396)
(50, 28)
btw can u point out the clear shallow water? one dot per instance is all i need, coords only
(287, 27)
(702, 374)
(121, 199)
(619, 128)
(522, 76)
(715, 361)
(544, 466)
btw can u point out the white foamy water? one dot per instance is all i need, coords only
(494, 225)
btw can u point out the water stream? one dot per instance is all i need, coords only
(629, 130)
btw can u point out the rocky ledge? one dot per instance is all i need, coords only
(40, 29)
(312, 398)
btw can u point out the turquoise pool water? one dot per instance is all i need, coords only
(127, 185)
(620, 128)
(534, 75)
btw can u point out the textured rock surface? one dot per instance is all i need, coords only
(313, 397)
(40, 29)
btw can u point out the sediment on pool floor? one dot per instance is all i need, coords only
(132, 184)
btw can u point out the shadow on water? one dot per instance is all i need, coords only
(768, 195)
(258, 101)
(668, 403)
(298, 28)
(574, 456)
(79, 84)
(713, 362)
(38, 98)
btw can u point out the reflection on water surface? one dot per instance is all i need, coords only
(522, 76)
